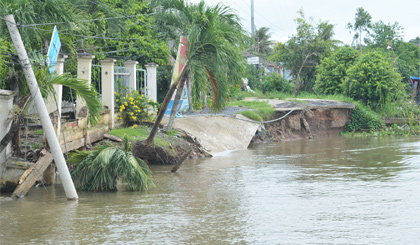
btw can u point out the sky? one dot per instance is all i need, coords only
(279, 15)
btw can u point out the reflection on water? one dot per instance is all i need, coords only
(328, 190)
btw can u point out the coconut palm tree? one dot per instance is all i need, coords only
(214, 57)
(102, 168)
(262, 41)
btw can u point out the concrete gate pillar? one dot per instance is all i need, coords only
(130, 66)
(6, 104)
(107, 75)
(151, 70)
(84, 71)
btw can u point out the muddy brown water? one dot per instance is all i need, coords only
(321, 191)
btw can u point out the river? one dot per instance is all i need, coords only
(335, 190)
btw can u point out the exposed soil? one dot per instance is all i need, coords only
(304, 124)
(171, 155)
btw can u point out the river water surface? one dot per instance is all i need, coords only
(321, 191)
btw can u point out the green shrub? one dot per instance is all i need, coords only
(254, 77)
(274, 82)
(373, 81)
(332, 71)
(236, 93)
(363, 118)
(136, 108)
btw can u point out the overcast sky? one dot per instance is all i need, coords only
(278, 15)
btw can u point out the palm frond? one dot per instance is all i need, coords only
(85, 90)
(100, 170)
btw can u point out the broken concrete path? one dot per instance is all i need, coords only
(218, 133)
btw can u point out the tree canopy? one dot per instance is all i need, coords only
(362, 23)
(332, 71)
(303, 52)
(263, 43)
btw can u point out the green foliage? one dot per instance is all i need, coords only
(215, 39)
(236, 92)
(302, 53)
(134, 108)
(363, 118)
(381, 34)
(84, 89)
(407, 59)
(122, 30)
(3, 59)
(332, 71)
(274, 82)
(262, 43)
(36, 145)
(137, 40)
(362, 23)
(402, 108)
(373, 81)
(254, 77)
(393, 130)
(253, 115)
(100, 169)
(164, 75)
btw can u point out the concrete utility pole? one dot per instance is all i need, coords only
(42, 109)
(252, 18)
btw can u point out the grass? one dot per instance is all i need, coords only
(399, 109)
(251, 104)
(301, 95)
(39, 131)
(253, 115)
(142, 132)
(260, 111)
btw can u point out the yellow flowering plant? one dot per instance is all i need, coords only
(136, 108)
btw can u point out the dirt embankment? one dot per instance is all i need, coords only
(310, 118)
(301, 124)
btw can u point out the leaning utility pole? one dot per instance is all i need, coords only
(42, 109)
(252, 18)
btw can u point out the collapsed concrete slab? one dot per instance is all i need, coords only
(219, 133)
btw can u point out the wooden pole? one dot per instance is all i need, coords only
(68, 185)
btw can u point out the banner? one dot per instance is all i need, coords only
(180, 61)
(53, 50)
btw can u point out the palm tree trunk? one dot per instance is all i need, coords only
(175, 106)
(190, 104)
(150, 140)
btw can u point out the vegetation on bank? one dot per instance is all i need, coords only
(108, 164)
(141, 132)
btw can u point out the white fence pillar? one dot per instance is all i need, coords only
(6, 104)
(107, 75)
(151, 70)
(130, 67)
(84, 71)
(53, 105)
